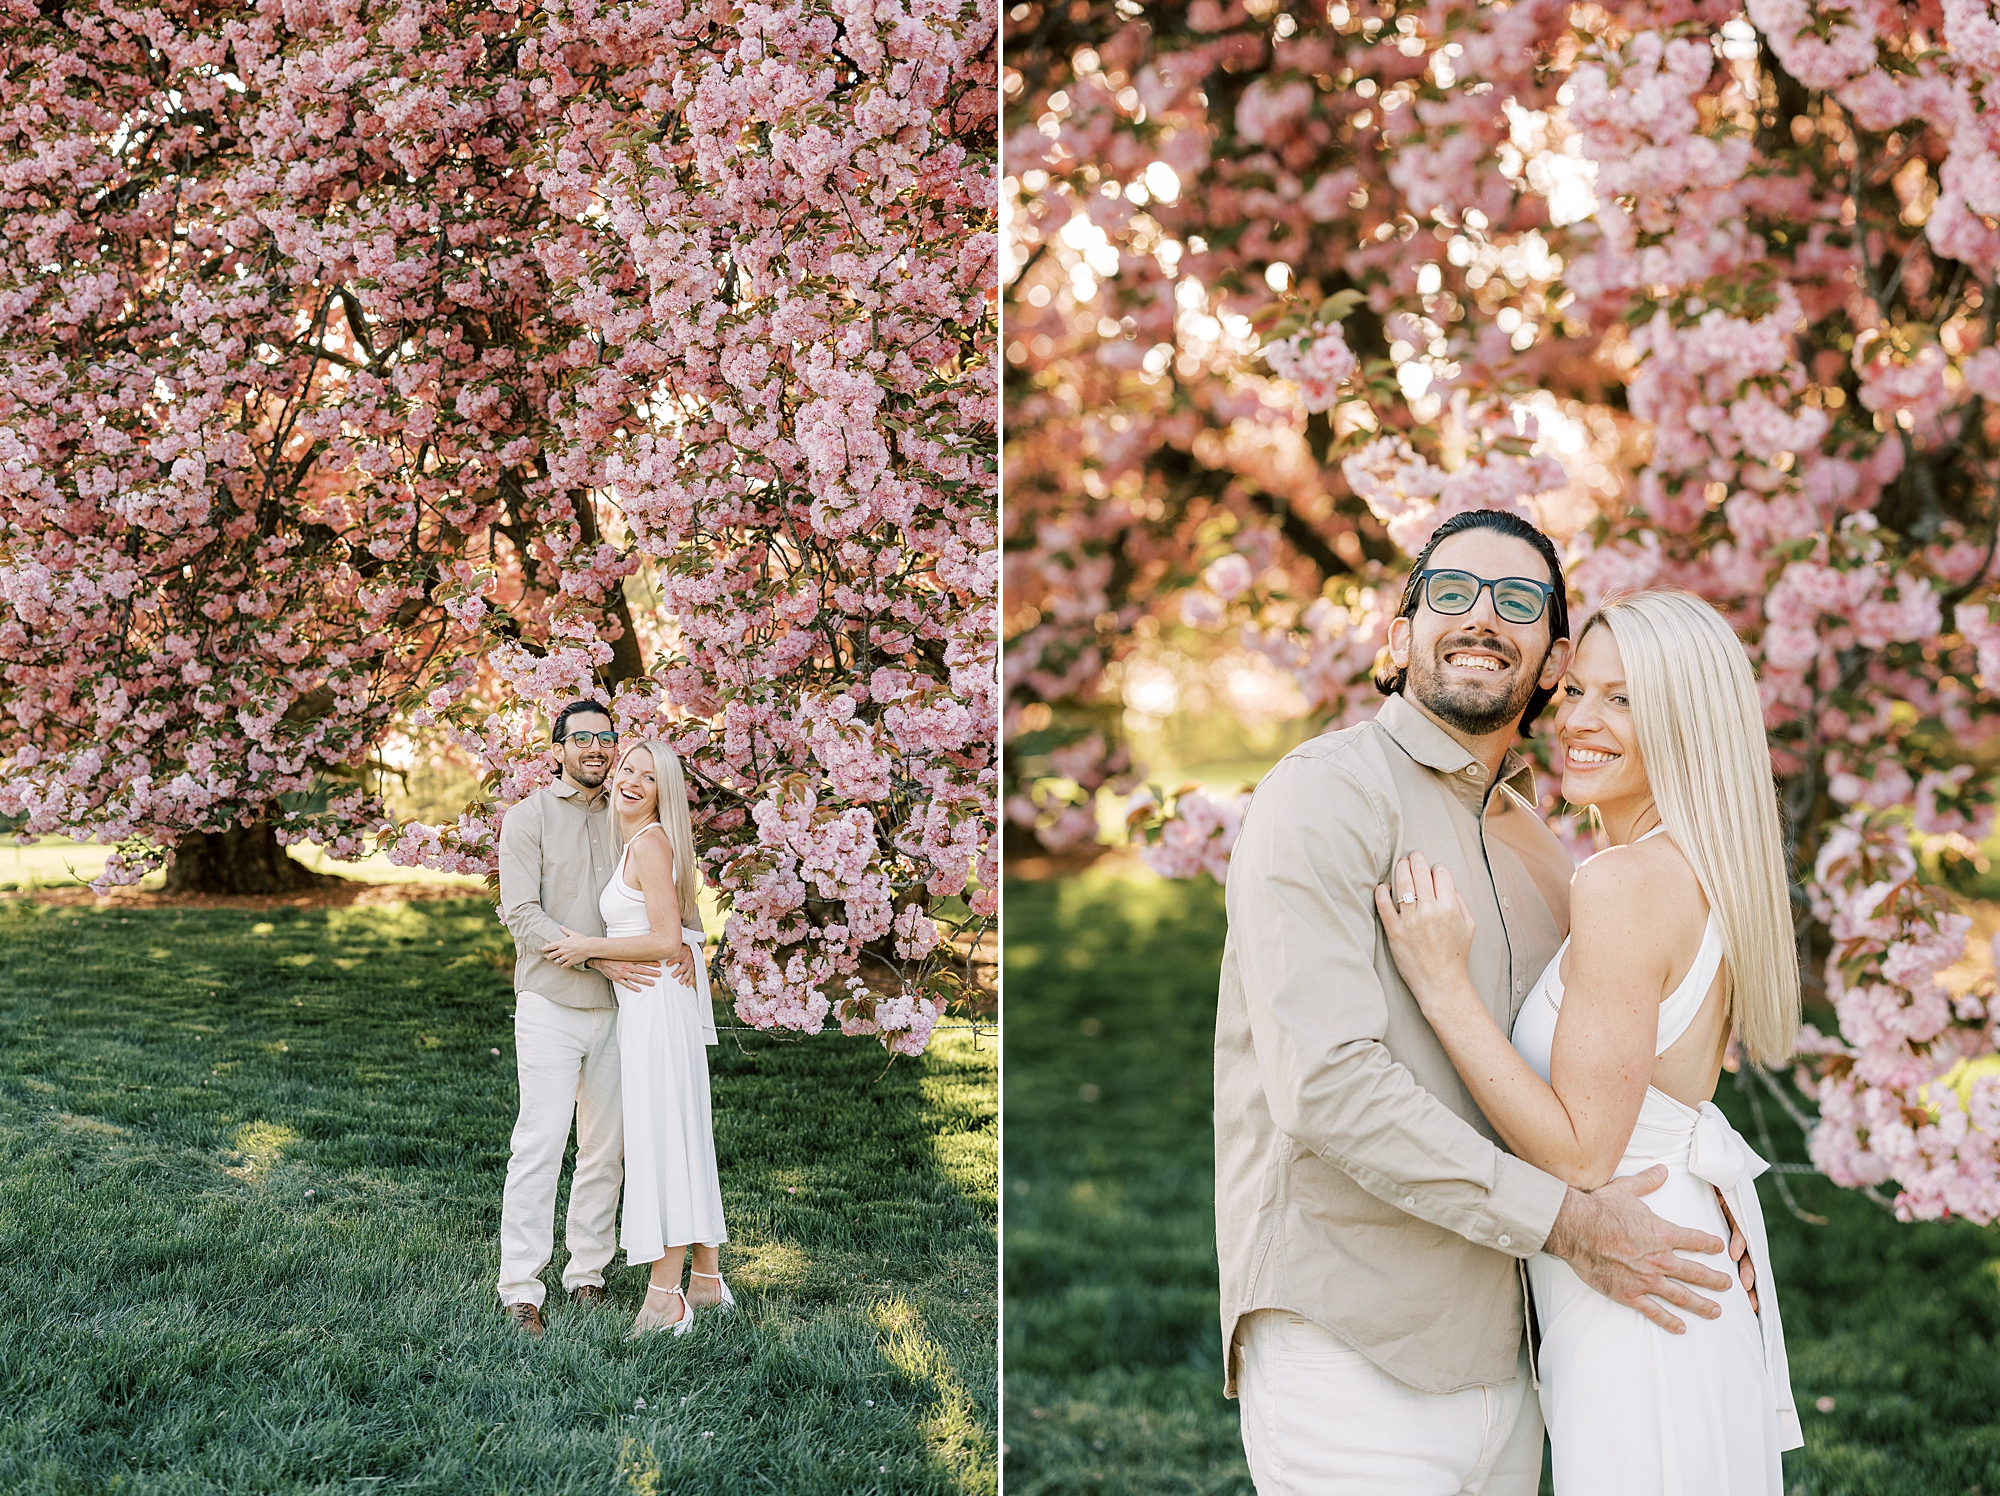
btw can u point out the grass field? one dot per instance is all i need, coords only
(250, 1175)
(1113, 1363)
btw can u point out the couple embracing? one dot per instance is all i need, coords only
(1466, 1146)
(610, 1029)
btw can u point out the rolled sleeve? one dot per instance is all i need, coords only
(1302, 917)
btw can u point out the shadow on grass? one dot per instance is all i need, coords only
(250, 1170)
(1114, 1376)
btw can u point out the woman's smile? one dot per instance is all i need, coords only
(1582, 760)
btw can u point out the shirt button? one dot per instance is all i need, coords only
(1517, 984)
(1506, 1241)
(1475, 771)
(1410, 1200)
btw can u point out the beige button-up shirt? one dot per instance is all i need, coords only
(1356, 1183)
(558, 849)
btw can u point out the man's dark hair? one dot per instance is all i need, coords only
(1390, 681)
(559, 729)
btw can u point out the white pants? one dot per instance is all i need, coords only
(1320, 1419)
(567, 1060)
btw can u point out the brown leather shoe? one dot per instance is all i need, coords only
(527, 1316)
(587, 1296)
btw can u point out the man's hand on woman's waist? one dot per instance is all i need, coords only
(1614, 1242)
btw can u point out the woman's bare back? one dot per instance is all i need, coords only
(1689, 1069)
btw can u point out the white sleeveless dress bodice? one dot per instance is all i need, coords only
(673, 1190)
(1630, 1408)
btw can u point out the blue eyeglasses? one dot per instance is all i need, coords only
(1516, 599)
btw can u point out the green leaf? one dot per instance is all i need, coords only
(1337, 306)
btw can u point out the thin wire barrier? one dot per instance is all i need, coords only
(936, 1028)
(1805, 1126)
(1778, 1171)
(979, 1032)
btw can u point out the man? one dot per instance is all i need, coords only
(1370, 1228)
(558, 848)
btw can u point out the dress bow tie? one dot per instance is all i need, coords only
(1718, 1155)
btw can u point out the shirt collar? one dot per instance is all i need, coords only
(564, 790)
(1434, 748)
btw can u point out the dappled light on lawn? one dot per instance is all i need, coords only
(253, 1208)
(255, 1147)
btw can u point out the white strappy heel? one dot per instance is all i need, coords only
(679, 1326)
(722, 1305)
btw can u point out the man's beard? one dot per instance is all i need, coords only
(582, 776)
(1466, 707)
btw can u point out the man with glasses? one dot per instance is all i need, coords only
(558, 848)
(1371, 1230)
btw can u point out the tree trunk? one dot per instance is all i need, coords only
(241, 860)
(627, 662)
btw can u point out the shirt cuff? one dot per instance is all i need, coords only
(1521, 1209)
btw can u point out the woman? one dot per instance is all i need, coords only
(672, 1191)
(1680, 936)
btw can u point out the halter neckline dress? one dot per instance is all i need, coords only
(673, 1192)
(1630, 1408)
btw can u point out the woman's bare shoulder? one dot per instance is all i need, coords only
(1645, 885)
(650, 853)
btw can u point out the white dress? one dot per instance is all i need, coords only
(1630, 1408)
(673, 1194)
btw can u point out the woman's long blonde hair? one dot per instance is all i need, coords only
(1700, 724)
(671, 809)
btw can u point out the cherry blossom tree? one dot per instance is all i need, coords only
(362, 364)
(1710, 293)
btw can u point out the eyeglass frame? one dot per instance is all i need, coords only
(608, 739)
(1422, 582)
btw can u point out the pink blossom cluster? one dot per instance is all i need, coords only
(903, 1023)
(1822, 45)
(1948, 803)
(1751, 273)
(1197, 835)
(820, 500)
(1912, 386)
(1230, 576)
(418, 368)
(1412, 498)
(1888, 1111)
(1721, 389)
(1061, 809)
(1333, 651)
(1318, 361)
(1641, 119)
(1981, 631)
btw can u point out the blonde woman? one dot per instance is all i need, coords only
(673, 1196)
(1680, 937)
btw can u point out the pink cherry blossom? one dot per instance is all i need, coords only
(1711, 307)
(394, 373)
(1317, 361)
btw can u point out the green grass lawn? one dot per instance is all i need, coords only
(1114, 1375)
(250, 1176)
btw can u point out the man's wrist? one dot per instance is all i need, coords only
(1561, 1240)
